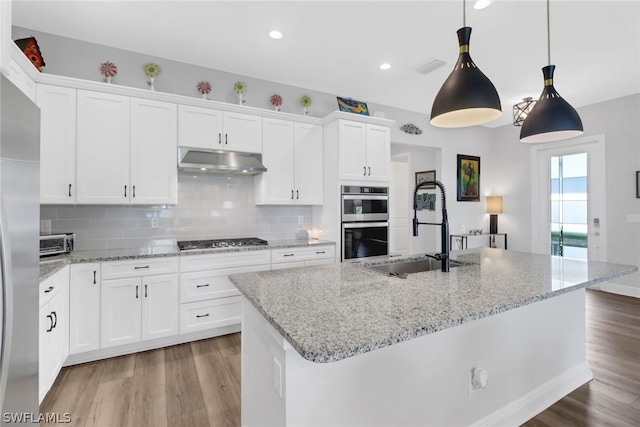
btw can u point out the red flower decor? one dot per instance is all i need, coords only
(204, 87)
(276, 100)
(108, 69)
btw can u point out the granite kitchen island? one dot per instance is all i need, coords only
(493, 342)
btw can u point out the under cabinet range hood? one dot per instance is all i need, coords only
(202, 160)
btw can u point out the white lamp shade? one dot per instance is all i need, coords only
(494, 204)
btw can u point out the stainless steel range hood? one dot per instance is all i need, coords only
(201, 160)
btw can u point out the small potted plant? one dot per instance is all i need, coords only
(276, 101)
(151, 70)
(204, 88)
(108, 70)
(306, 102)
(240, 88)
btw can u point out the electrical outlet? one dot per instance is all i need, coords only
(277, 377)
(300, 219)
(477, 380)
(45, 226)
(155, 222)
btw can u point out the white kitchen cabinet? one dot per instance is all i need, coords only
(54, 328)
(57, 144)
(200, 127)
(103, 141)
(364, 151)
(292, 153)
(302, 256)
(137, 301)
(154, 145)
(84, 307)
(21, 79)
(207, 298)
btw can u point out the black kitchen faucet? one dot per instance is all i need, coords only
(444, 251)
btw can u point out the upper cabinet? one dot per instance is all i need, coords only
(101, 148)
(364, 151)
(200, 127)
(292, 153)
(57, 144)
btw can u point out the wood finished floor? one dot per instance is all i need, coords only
(198, 384)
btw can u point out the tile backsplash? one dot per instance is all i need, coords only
(209, 207)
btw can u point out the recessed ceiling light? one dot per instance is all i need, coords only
(385, 66)
(275, 34)
(481, 4)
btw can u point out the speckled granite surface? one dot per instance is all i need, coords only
(49, 265)
(332, 312)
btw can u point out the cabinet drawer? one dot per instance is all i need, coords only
(225, 260)
(302, 254)
(202, 285)
(53, 285)
(197, 316)
(139, 268)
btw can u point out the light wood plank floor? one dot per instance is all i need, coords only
(198, 384)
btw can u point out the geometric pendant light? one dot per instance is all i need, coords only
(467, 97)
(552, 118)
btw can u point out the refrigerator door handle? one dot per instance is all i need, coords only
(6, 305)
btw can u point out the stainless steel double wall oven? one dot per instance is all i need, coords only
(365, 221)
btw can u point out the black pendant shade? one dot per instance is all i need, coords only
(467, 97)
(552, 118)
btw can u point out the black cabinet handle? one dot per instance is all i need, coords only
(202, 315)
(55, 321)
(219, 138)
(320, 252)
(50, 322)
(134, 191)
(137, 291)
(141, 268)
(369, 171)
(365, 171)
(297, 194)
(291, 194)
(145, 291)
(202, 286)
(226, 139)
(49, 289)
(69, 190)
(289, 254)
(125, 191)
(94, 277)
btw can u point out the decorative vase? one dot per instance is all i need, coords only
(204, 96)
(151, 82)
(240, 100)
(108, 80)
(277, 108)
(306, 111)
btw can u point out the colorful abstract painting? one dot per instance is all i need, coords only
(352, 106)
(468, 178)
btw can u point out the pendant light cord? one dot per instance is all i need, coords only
(548, 36)
(464, 13)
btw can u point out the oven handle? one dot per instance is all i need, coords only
(364, 224)
(372, 197)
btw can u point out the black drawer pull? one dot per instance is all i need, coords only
(49, 289)
(51, 323)
(320, 252)
(202, 315)
(202, 286)
(289, 254)
(140, 268)
(55, 321)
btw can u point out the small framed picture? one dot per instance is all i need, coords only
(637, 184)
(468, 184)
(352, 106)
(426, 176)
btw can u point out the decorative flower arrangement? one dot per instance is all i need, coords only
(276, 101)
(108, 70)
(306, 102)
(240, 88)
(151, 70)
(204, 88)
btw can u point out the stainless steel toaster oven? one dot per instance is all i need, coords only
(60, 243)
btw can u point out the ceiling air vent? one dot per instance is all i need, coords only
(431, 66)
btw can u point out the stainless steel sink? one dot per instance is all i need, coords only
(403, 268)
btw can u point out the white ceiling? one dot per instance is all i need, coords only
(337, 47)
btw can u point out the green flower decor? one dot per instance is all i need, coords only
(151, 70)
(305, 101)
(240, 87)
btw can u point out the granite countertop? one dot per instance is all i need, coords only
(331, 312)
(51, 264)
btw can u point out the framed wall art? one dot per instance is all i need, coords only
(352, 106)
(468, 178)
(425, 176)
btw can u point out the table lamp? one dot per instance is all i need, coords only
(494, 207)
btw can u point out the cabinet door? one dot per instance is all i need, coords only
(57, 144)
(102, 148)
(45, 362)
(120, 309)
(276, 186)
(242, 132)
(308, 164)
(352, 150)
(378, 152)
(60, 348)
(84, 308)
(160, 306)
(199, 127)
(154, 169)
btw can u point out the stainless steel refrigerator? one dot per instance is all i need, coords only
(20, 219)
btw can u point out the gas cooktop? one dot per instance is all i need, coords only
(192, 245)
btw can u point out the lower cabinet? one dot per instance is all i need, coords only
(138, 308)
(84, 307)
(54, 329)
(302, 257)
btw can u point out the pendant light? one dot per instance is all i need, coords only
(467, 97)
(552, 118)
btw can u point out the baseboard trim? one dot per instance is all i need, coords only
(539, 399)
(615, 288)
